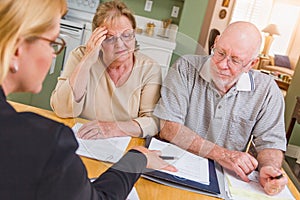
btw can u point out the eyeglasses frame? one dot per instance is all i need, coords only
(115, 38)
(52, 42)
(229, 58)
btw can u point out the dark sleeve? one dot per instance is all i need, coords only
(64, 176)
(117, 181)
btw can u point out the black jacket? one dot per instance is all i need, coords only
(38, 161)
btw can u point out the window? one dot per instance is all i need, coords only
(261, 13)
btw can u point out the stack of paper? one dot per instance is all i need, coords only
(189, 166)
(108, 150)
(239, 190)
(194, 173)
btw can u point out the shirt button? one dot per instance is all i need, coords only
(217, 95)
(219, 107)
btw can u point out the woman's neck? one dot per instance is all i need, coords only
(120, 72)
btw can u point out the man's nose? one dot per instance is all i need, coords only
(223, 64)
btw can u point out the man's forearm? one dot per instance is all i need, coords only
(185, 138)
(270, 157)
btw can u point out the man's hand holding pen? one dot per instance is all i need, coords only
(272, 179)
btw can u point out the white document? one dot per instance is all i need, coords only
(240, 190)
(108, 150)
(133, 195)
(190, 166)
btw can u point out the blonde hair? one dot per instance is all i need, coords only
(107, 12)
(24, 19)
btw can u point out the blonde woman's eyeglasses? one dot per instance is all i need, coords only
(58, 45)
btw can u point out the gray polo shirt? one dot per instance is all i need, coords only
(255, 105)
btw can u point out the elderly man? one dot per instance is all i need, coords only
(212, 105)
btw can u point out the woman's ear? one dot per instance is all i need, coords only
(14, 64)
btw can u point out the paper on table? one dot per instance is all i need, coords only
(109, 150)
(189, 166)
(133, 195)
(240, 190)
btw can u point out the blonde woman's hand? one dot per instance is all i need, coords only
(154, 161)
(93, 45)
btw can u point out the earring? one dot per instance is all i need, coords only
(14, 69)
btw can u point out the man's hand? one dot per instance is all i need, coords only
(270, 161)
(239, 162)
(272, 179)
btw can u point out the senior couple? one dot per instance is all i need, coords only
(208, 105)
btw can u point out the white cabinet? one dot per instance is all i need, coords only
(159, 50)
(156, 47)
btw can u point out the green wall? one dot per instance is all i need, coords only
(189, 27)
(189, 21)
(161, 9)
(290, 101)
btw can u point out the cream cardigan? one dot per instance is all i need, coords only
(134, 100)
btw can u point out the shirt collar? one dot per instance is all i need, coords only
(245, 82)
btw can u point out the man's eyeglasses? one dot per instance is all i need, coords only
(126, 36)
(58, 45)
(232, 61)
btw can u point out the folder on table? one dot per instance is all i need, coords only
(198, 175)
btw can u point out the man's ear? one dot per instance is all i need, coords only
(216, 40)
(253, 63)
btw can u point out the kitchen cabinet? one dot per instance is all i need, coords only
(159, 50)
(42, 99)
(157, 46)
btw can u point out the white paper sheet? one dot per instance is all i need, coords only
(133, 195)
(241, 190)
(108, 150)
(189, 166)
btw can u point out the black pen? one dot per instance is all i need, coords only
(278, 177)
(167, 157)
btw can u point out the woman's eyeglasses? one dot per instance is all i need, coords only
(58, 45)
(126, 36)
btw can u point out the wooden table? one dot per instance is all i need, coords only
(147, 190)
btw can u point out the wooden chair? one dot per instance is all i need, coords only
(295, 117)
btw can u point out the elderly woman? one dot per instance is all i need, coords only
(108, 81)
(38, 159)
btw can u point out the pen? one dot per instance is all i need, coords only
(249, 144)
(278, 177)
(167, 157)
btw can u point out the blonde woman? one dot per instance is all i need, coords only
(38, 159)
(108, 82)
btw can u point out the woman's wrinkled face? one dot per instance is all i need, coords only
(120, 41)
